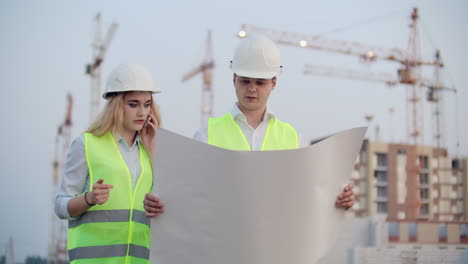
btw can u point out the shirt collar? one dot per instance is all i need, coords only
(121, 140)
(237, 114)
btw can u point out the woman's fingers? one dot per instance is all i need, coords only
(153, 206)
(101, 192)
(100, 185)
(153, 120)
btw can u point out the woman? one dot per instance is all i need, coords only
(108, 177)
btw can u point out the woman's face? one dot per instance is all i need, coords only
(137, 106)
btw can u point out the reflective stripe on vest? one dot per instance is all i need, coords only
(108, 252)
(109, 216)
(119, 227)
(224, 132)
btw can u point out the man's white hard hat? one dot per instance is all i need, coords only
(129, 77)
(256, 56)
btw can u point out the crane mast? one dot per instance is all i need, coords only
(10, 252)
(100, 46)
(434, 96)
(58, 238)
(412, 73)
(206, 69)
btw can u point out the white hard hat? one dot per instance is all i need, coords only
(129, 77)
(256, 57)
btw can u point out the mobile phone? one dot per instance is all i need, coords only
(147, 120)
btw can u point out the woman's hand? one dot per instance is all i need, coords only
(153, 206)
(100, 192)
(99, 195)
(346, 199)
(148, 133)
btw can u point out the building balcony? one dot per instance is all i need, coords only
(424, 200)
(423, 186)
(381, 199)
(423, 170)
(381, 168)
(381, 183)
(423, 216)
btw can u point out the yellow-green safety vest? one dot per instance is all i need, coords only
(224, 132)
(117, 231)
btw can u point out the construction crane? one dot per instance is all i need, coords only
(409, 59)
(342, 73)
(58, 238)
(434, 95)
(100, 46)
(206, 69)
(387, 78)
(10, 253)
(434, 88)
(369, 119)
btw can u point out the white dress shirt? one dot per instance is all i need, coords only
(254, 136)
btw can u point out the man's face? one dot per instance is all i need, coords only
(252, 93)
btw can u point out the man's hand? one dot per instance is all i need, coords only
(346, 199)
(153, 206)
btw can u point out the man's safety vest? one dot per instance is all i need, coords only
(224, 132)
(118, 230)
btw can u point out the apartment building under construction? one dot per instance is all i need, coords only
(410, 182)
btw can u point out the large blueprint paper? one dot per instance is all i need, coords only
(249, 207)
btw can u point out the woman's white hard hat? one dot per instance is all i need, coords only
(129, 77)
(256, 57)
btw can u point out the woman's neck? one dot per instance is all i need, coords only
(128, 136)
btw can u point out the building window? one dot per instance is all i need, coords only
(424, 211)
(443, 233)
(381, 160)
(382, 207)
(455, 164)
(413, 231)
(382, 192)
(381, 176)
(401, 215)
(393, 231)
(424, 162)
(401, 152)
(424, 194)
(464, 233)
(423, 178)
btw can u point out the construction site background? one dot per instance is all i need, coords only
(411, 171)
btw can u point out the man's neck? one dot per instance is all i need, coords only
(254, 117)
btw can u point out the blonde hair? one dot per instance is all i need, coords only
(111, 118)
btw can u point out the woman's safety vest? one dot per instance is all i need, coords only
(118, 230)
(223, 132)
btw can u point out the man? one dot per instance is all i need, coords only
(250, 126)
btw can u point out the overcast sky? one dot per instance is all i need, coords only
(46, 44)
